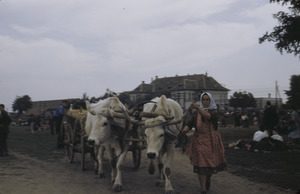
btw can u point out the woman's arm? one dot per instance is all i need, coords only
(189, 121)
(203, 113)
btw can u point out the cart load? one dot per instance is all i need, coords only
(75, 140)
(79, 115)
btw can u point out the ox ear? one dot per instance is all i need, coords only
(89, 108)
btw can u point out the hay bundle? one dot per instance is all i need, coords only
(78, 114)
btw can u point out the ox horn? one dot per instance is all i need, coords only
(123, 115)
(154, 114)
(89, 108)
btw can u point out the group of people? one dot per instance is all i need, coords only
(262, 141)
(205, 150)
(267, 138)
(35, 123)
(241, 120)
(5, 121)
(55, 123)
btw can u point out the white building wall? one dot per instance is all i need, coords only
(187, 97)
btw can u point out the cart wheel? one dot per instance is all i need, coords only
(82, 150)
(136, 155)
(68, 141)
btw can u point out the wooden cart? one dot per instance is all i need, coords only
(75, 139)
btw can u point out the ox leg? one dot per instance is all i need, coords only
(118, 182)
(100, 153)
(160, 176)
(112, 160)
(167, 168)
(96, 163)
(151, 167)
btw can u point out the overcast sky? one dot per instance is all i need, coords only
(55, 49)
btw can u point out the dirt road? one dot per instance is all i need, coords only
(35, 166)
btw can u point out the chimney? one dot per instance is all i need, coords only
(153, 88)
(269, 95)
(142, 86)
(204, 82)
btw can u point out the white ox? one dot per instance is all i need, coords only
(103, 135)
(160, 132)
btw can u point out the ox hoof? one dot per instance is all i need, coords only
(151, 169)
(101, 175)
(159, 184)
(117, 188)
(169, 192)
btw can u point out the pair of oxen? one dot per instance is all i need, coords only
(161, 123)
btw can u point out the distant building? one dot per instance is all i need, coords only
(261, 102)
(45, 108)
(183, 89)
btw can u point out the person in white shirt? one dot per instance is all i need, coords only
(276, 136)
(260, 134)
(259, 140)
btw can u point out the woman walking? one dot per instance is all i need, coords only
(206, 150)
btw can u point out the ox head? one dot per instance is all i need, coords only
(157, 132)
(100, 131)
(154, 135)
(161, 117)
(98, 127)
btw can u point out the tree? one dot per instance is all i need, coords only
(294, 92)
(287, 34)
(243, 100)
(85, 97)
(22, 104)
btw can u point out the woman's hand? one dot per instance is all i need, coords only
(201, 110)
(194, 106)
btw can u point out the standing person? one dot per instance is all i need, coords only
(270, 118)
(32, 123)
(206, 150)
(51, 123)
(59, 114)
(294, 127)
(5, 121)
(245, 122)
(237, 119)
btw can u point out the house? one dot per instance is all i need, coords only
(261, 102)
(45, 108)
(183, 89)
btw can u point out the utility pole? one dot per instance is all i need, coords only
(277, 94)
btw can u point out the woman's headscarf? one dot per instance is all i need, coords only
(212, 105)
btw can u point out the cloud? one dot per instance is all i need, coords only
(45, 54)
(189, 45)
(61, 49)
(43, 66)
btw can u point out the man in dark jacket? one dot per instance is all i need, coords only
(59, 114)
(5, 121)
(270, 119)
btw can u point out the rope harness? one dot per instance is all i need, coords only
(164, 125)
